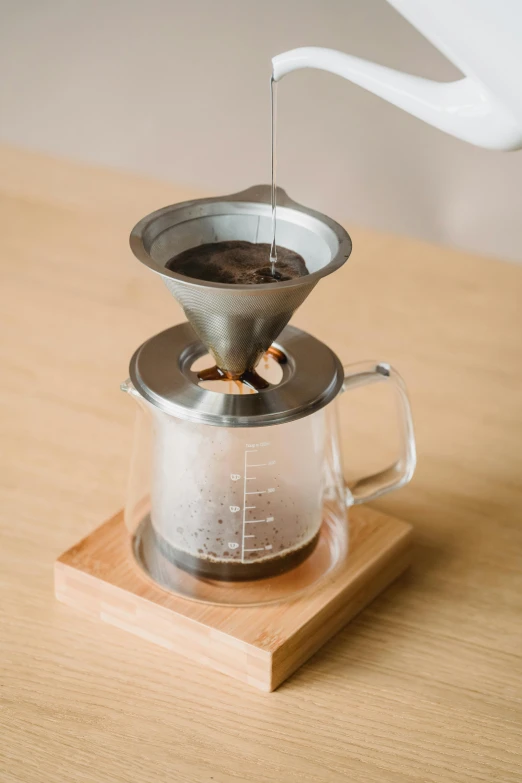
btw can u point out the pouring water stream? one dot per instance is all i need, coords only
(273, 116)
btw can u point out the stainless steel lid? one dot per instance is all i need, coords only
(161, 373)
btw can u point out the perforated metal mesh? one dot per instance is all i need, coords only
(237, 327)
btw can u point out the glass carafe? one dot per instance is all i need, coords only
(240, 498)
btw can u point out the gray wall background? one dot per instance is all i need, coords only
(179, 91)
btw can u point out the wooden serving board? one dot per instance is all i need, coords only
(260, 645)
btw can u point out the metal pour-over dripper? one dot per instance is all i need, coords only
(238, 323)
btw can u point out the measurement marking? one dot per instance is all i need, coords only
(244, 509)
(252, 492)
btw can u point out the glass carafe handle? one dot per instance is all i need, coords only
(400, 472)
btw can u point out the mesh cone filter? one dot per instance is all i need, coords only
(237, 327)
(238, 323)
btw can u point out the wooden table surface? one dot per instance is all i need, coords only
(425, 685)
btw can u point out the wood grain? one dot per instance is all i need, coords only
(425, 684)
(259, 645)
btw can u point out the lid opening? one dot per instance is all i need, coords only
(269, 369)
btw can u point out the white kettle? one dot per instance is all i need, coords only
(481, 37)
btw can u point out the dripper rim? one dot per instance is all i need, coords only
(254, 195)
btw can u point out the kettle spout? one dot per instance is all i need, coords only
(464, 108)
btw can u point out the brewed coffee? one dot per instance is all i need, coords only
(212, 567)
(239, 262)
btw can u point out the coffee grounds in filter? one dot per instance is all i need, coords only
(237, 262)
